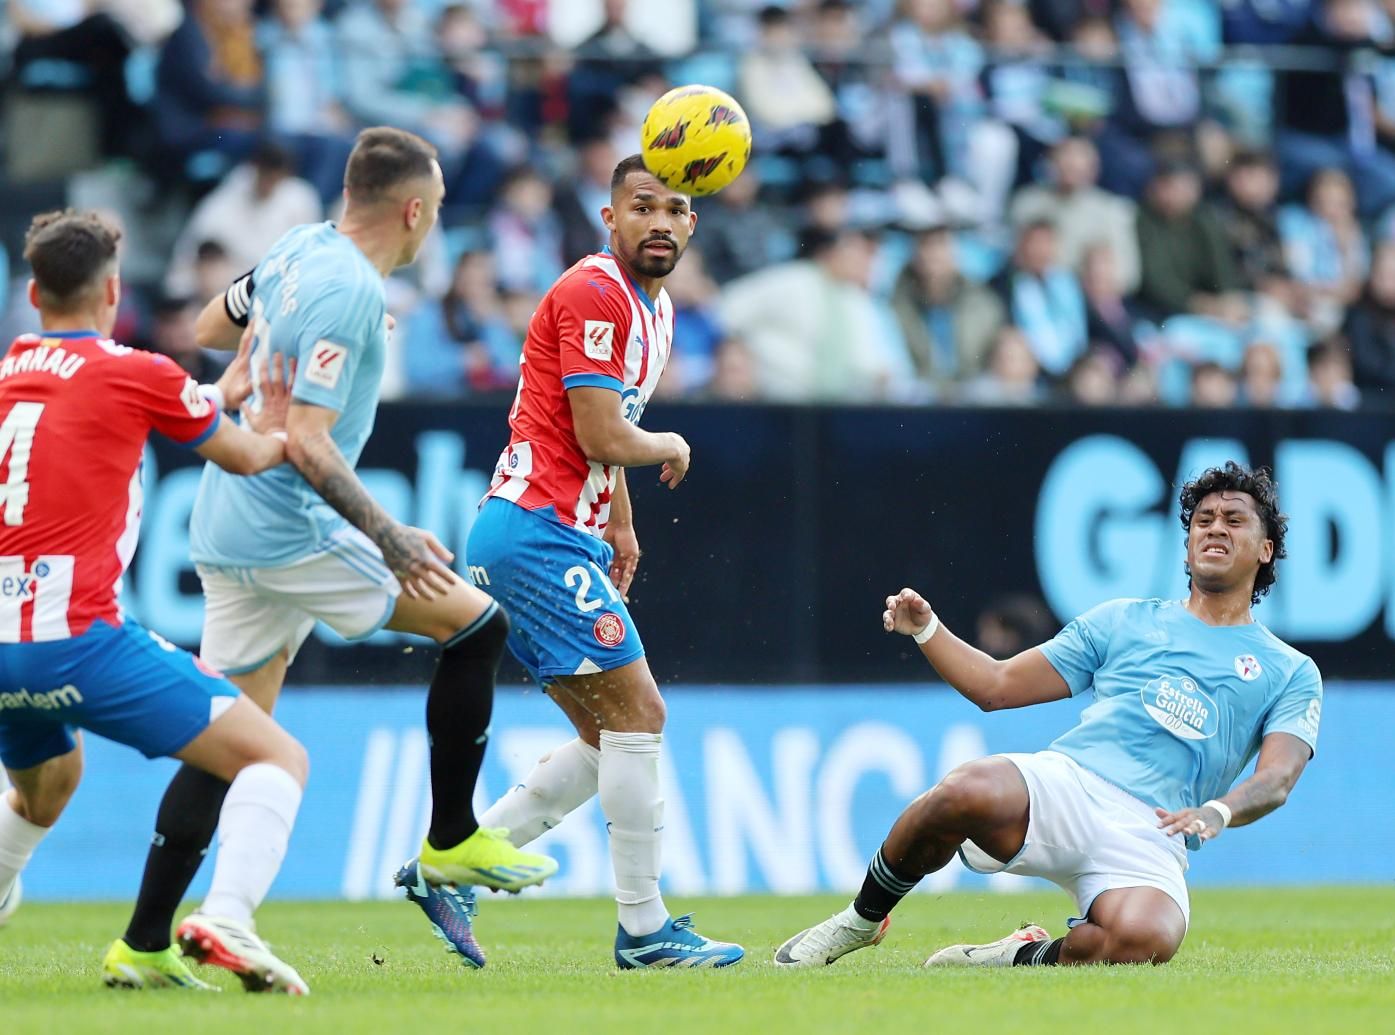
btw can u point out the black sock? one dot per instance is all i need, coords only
(184, 829)
(1039, 954)
(882, 888)
(458, 707)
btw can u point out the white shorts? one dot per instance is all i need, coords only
(252, 614)
(1088, 836)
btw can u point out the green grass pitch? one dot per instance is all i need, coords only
(1274, 960)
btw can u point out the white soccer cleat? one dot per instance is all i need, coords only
(10, 903)
(994, 954)
(821, 945)
(220, 942)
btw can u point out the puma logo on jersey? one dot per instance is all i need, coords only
(598, 339)
(326, 364)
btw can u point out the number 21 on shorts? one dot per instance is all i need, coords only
(578, 578)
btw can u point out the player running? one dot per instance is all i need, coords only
(307, 542)
(555, 543)
(75, 411)
(1185, 694)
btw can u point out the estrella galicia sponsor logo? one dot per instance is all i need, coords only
(64, 697)
(1181, 707)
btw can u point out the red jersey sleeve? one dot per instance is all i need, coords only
(170, 400)
(593, 323)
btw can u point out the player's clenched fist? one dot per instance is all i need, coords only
(676, 466)
(907, 613)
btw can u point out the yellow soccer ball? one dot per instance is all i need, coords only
(696, 139)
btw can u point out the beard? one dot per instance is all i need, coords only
(650, 265)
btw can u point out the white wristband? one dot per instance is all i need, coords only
(280, 436)
(930, 630)
(1220, 807)
(214, 394)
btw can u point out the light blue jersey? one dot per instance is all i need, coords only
(1180, 706)
(316, 298)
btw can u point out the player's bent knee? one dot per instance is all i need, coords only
(1141, 944)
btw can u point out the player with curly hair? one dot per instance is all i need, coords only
(1185, 694)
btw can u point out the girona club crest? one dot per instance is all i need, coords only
(670, 138)
(702, 167)
(609, 630)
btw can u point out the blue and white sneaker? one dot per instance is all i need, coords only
(450, 910)
(675, 944)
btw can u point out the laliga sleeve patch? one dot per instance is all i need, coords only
(598, 339)
(326, 364)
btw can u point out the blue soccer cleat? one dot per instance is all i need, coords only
(449, 908)
(675, 944)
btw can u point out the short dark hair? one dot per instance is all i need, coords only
(629, 164)
(384, 158)
(68, 251)
(1260, 486)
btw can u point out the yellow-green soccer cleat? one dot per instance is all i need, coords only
(487, 859)
(124, 967)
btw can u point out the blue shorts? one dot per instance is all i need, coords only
(120, 682)
(566, 619)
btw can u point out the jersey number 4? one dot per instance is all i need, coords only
(16, 442)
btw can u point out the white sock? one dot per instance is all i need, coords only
(253, 829)
(628, 780)
(852, 918)
(18, 839)
(561, 781)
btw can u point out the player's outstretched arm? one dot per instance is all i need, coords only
(414, 555)
(221, 322)
(989, 683)
(606, 437)
(243, 451)
(1282, 758)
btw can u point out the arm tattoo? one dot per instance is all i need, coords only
(324, 467)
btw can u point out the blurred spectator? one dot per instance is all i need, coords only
(303, 93)
(734, 373)
(1327, 118)
(1213, 386)
(826, 205)
(947, 320)
(788, 102)
(582, 195)
(247, 213)
(1186, 263)
(1093, 379)
(1109, 321)
(1011, 377)
(82, 46)
(937, 63)
(1016, 80)
(1011, 624)
(816, 332)
(1081, 212)
(1370, 326)
(1330, 376)
(526, 233)
(1264, 21)
(1326, 249)
(1261, 376)
(696, 330)
(739, 235)
(394, 74)
(172, 335)
(213, 270)
(839, 51)
(612, 58)
(210, 84)
(1044, 299)
(464, 344)
(1249, 218)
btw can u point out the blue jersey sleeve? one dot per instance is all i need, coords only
(1078, 650)
(331, 334)
(1298, 709)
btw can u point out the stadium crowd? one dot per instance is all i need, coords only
(1005, 202)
